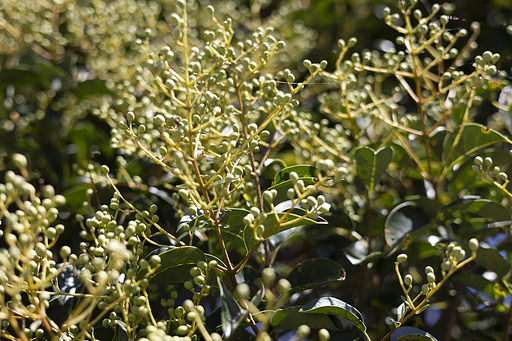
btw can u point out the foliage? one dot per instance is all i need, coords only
(221, 191)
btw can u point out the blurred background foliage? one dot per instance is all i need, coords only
(69, 67)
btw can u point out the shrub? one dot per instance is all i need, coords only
(250, 198)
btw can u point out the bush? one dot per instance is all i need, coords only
(222, 190)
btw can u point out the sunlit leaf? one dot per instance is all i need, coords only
(231, 311)
(474, 137)
(292, 318)
(303, 171)
(336, 307)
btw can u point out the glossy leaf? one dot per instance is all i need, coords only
(68, 283)
(292, 318)
(315, 272)
(175, 264)
(231, 311)
(336, 307)
(492, 260)
(296, 215)
(411, 334)
(474, 137)
(283, 186)
(370, 164)
(357, 253)
(121, 331)
(402, 220)
(303, 171)
(472, 280)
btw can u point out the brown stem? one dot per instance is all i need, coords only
(451, 313)
(255, 169)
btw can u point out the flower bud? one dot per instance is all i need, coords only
(431, 277)
(401, 258)
(473, 244)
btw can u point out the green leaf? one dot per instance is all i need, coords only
(304, 171)
(474, 137)
(472, 280)
(436, 141)
(231, 311)
(357, 253)
(370, 164)
(492, 260)
(402, 220)
(283, 186)
(315, 272)
(411, 334)
(121, 331)
(90, 88)
(336, 307)
(292, 318)
(175, 264)
(400, 312)
(270, 224)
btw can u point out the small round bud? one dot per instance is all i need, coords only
(267, 196)
(473, 244)
(401, 258)
(306, 63)
(294, 177)
(188, 305)
(303, 331)
(425, 289)
(19, 160)
(351, 42)
(242, 291)
(65, 251)
(429, 269)
(488, 162)
(408, 279)
(290, 194)
(323, 335)
(283, 285)
(431, 277)
(268, 276)
(478, 161)
(105, 169)
(446, 265)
